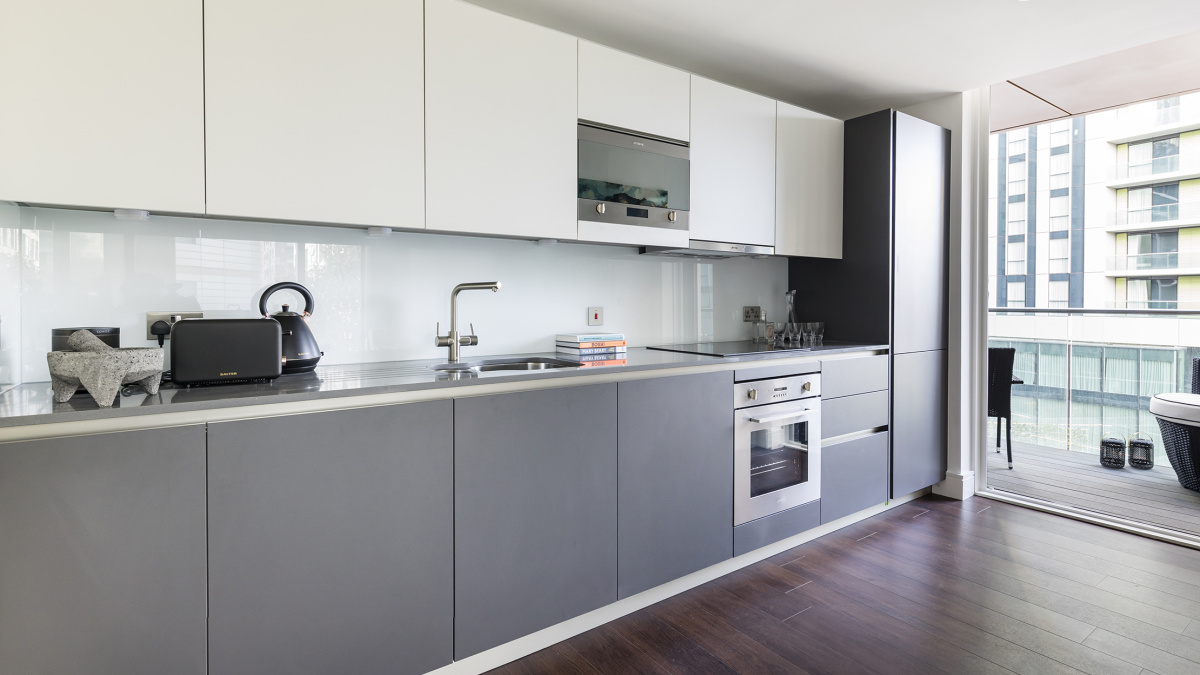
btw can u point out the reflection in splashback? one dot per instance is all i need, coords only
(377, 298)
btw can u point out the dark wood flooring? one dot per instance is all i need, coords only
(933, 586)
(1076, 478)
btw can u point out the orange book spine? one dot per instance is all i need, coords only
(591, 345)
(611, 362)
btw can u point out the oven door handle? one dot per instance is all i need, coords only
(767, 419)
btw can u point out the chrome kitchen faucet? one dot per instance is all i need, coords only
(454, 340)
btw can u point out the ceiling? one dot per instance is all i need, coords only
(1150, 71)
(853, 57)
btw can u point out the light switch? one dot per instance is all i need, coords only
(595, 316)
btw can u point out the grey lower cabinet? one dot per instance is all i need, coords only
(918, 421)
(674, 478)
(535, 511)
(331, 541)
(854, 476)
(102, 553)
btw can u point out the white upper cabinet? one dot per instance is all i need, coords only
(626, 91)
(500, 124)
(315, 111)
(733, 165)
(808, 184)
(103, 104)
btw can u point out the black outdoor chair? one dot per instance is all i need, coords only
(1000, 383)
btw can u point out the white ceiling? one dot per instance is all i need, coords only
(851, 57)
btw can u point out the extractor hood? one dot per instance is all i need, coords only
(710, 249)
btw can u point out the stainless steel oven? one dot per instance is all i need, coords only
(777, 445)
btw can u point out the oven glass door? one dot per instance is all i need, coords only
(778, 453)
(779, 457)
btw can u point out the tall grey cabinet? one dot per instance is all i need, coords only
(891, 284)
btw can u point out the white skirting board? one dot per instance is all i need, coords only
(524, 646)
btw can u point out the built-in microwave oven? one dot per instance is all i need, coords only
(633, 188)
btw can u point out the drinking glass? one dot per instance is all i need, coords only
(818, 333)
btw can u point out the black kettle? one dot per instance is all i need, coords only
(300, 351)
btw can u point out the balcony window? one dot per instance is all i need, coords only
(1153, 250)
(1159, 293)
(1152, 157)
(1060, 257)
(1016, 218)
(1016, 258)
(1060, 138)
(1016, 294)
(1159, 203)
(1167, 111)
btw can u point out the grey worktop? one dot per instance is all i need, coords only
(33, 403)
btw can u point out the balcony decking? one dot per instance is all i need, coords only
(1076, 479)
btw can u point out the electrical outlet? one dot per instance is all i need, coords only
(753, 313)
(152, 317)
(595, 316)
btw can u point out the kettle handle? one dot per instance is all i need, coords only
(309, 304)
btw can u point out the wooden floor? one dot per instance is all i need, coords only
(1077, 479)
(933, 586)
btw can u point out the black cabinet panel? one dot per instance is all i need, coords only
(330, 541)
(535, 511)
(918, 421)
(675, 478)
(853, 476)
(102, 554)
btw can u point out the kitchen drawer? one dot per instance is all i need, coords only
(854, 476)
(776, 527)
(848, 414)
(844, 377)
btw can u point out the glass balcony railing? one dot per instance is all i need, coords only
(1154, 261)
(1159, 166)
(1162, 213)
(1090, 373)
(1147, 117)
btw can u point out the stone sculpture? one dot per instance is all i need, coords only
(101, 369)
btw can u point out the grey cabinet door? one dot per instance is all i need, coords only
(859, 375)
(920, 256)
(330, 541)
(535, 511)
(853, 476)
(918, 421)
(102, 553)
(674, 478)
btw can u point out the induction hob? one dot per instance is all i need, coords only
(731, 348)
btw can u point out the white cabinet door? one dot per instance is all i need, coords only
(500, 124)
(626, 91)
(315, 111)
(103, 104)
(808, 184)
(733, 165)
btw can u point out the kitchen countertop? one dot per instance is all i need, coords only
(33, 403)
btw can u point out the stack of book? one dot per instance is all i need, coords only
(592, 349)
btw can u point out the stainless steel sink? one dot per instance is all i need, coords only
(530, 363)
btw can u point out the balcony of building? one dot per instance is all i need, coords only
(1086, 375)
(1180, 166)
(1174, 263)
(1184, 214)
(1151, 120)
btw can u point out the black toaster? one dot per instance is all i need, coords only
(211, 351)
